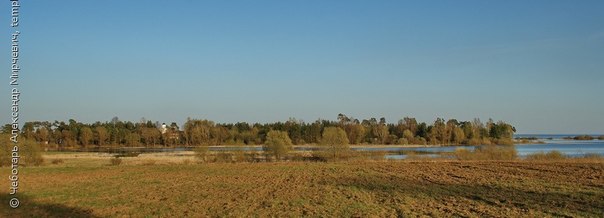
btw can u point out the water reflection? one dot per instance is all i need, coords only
(569, 148)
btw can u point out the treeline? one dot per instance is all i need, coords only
(195, 132)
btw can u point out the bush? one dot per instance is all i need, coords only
(252, 156)
(239, 156)
(201, 153)
(474, 141)
(420, 141)
(57, 161)
(402, 141)
(128, 154)
(463, 154)
(335, 144)
(486, 141)
(504, 142)
(29, 152)
(5, 151)
(116, 161)
(411, 155)
(592, 156)
(489, 152)
(552, 155)
(277, 144)
(353, 155)
(224, 157)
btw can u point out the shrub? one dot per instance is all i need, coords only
(420, 141)
(489, 152)
(224, 157)
(592, 156)
(354, 155)
(128, 154)
(57, 161)
(5, 150)
(402, 141)
(485, 141)
(474, 141)
(505, 141)
(463, 154)
(29, 152)
(411, 155)
(335, 144)
(115, 161)
(239, 156)
(201, 153)
(252, 156)
(277, 144)
(498, 152)
(552, 155)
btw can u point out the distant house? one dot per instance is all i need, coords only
(169, 132)
(163, 128)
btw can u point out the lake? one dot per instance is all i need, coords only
(571, 148)
(552, 142)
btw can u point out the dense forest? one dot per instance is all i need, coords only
(196, 132)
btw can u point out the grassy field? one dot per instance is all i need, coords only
(86, 186)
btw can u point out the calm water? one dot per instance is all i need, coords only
(571, 148)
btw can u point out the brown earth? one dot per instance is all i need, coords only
(360, 189)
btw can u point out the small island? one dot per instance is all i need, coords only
(584, 137)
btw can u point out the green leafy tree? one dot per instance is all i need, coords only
(85, 136)
(437, 134)
(42, 134)
(218, 135)
(28, 130)
(29, 151)
(458, 136)
(407, 134)
(150, 135)
(101, 135)
(355, 133)
(133, 139)
(294, 130)
(277, 144)
(335, 141)
(381, 133)
(67, 138)
(312, 132)
(197, 132)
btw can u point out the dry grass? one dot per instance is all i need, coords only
(490, 152)
(57, 161)
(115, 161)
(542, 156)
(89, 187)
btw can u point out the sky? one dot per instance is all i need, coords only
(538, 65)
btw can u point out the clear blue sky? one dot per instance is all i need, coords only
(536, 64)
